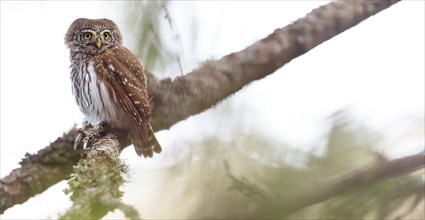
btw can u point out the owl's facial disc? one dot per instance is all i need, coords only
(96, 39)
(93, 36)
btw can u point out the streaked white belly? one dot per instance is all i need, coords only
(95, 102)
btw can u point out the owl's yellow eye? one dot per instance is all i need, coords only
(106, 35)
(87, 36)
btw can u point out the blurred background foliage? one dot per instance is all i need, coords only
(196, 184)
(148, 21)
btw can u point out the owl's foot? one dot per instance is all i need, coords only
(81, 135)
(88, 133)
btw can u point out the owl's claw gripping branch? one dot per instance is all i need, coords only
(78, 139)
(81, 140)
(89, 134)
(81, 135)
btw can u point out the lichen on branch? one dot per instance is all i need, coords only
(96, 179)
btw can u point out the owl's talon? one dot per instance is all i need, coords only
(85, 143)
(82, 136)
(92, 133)
(78, 139)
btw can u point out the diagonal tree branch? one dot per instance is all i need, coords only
(274, 206)
(39, 171)
(177, 99)
(353, 180)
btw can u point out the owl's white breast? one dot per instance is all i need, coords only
(93, 97)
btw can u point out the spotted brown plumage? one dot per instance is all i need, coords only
(109, 83)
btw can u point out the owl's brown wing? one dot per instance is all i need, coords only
(129, 84)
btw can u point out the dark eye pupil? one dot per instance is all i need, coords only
(106, 35)
(87, 36)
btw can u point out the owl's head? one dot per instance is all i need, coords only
(92, 36)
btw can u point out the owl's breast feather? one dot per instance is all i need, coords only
(94, 98)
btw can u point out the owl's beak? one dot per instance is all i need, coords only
(99, 42)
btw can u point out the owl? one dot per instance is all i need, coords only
(109, 82)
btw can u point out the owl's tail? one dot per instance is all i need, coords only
(146, 146)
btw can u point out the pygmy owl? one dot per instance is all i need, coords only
(109, 83)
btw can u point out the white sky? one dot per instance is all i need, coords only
(376, 68)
